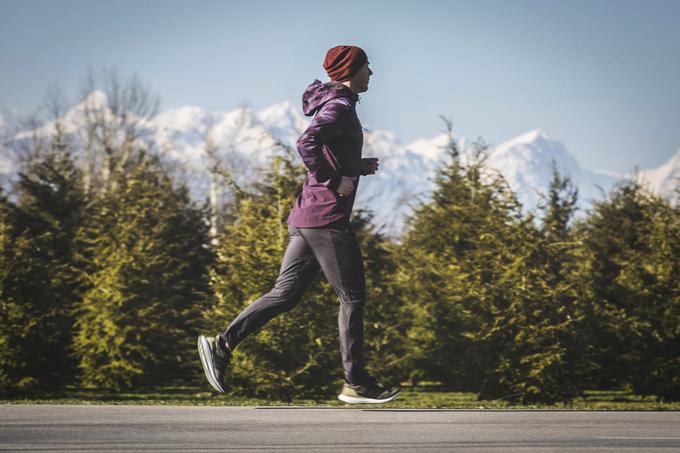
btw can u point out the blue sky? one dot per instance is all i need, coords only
(601, 76)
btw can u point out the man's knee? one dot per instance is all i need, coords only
(286, 297)
(355, 297)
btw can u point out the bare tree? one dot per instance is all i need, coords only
(221, 177)
(29, 144)
(114, 113)
(26, 141)
(225, 162)
(7, 156)
(215, 187)
(56, 106)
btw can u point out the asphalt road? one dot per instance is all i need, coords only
(173, 428)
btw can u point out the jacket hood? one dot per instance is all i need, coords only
(318, 93)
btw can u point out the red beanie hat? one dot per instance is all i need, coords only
(342, 62)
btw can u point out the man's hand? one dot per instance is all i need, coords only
(346, 185)
(369, 165)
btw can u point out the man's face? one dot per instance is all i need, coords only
(361, 78)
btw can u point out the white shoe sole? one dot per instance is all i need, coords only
(204, 352)
(364, 400)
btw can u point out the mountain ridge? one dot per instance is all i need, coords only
(244, 139)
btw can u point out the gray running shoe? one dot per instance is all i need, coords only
(214, 360)
(372, 393)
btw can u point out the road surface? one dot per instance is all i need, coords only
(97, 428)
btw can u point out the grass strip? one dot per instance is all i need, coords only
(419, 397)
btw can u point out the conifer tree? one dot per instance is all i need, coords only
(632, 243)
(546, 361)
(616, 237)
(8, 353)
(477, 273)
(146, 245)
(41, 282)
(560, 207)
(453, 256)
(656, 281)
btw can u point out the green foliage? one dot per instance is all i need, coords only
(633, 269)
(477, 296)
(385, 316)
(8, 354)
(453, 257)
(39, 279)
(559, 209)
(545, 361)
(147, 259)
(615, 235)
(657, 368)
(494, 303)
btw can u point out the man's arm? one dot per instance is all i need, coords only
(326, 125)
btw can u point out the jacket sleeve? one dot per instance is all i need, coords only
(326, 125)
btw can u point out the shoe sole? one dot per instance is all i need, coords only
(205, 353)
(364, 400)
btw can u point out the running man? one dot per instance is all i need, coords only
(319, 230)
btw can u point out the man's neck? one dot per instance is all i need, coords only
(354, 96)
(348, 84)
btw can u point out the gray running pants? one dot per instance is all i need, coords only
(337, 253)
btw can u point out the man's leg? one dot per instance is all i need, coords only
(298, 268)
(338, 253)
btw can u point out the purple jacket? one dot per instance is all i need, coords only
(330, 147)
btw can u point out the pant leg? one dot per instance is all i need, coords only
(339, 255)
(298, 268)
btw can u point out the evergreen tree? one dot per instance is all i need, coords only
(632, 240)
(453, 256)
(41, 285)
(628, 240)
(656, 283)
(146, 248)
(490, 311)
(560, 207)
(8, 353)
(546, 361)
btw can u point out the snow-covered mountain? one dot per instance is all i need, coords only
(664, 179)
(242, 141)
(526, 162)
(8, 125)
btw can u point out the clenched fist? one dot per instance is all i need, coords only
(369, 165)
